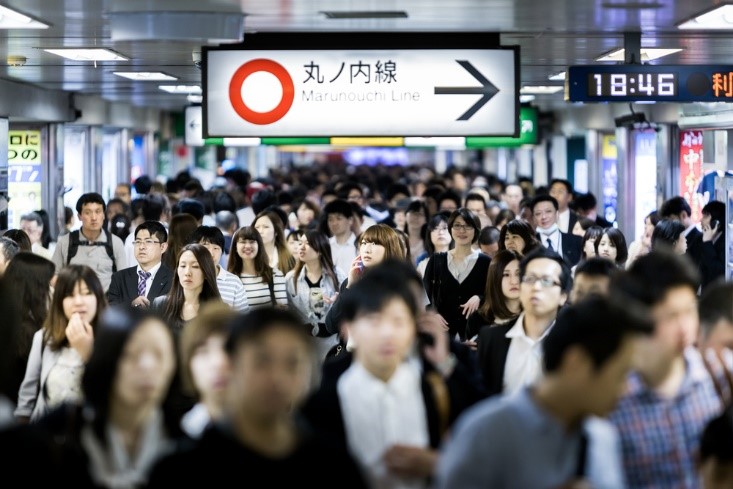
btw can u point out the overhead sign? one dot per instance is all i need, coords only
(408, 92)
(193, 132)
(528, 133)
(660, 83)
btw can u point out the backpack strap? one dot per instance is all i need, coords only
(74, 247)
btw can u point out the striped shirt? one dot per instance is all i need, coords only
(231, 290)
(258, 292)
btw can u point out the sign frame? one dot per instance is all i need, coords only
(375, 41)
(693, 82)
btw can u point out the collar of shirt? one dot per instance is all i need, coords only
(695, 373)
(689, 230)
(152, 271)
(102, 238)
(400, 384)
(517, 331)
(349, 242)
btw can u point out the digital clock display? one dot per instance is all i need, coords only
(638, 85)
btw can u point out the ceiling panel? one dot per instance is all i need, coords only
(552, 34)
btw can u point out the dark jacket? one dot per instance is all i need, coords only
(493, 348)
(712, 261)
(694, 245)
(445, 293)
(123, 288)
(219, 459)
(571, 245)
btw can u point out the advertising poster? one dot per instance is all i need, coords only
(691, 173)
(24, 174)
(609, 178)
(645, 149)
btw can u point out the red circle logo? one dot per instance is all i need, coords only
(235, 91)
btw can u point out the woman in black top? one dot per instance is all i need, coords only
(455, 281)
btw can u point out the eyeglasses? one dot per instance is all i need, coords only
(147, 242)
(462, 227)
(544, 281)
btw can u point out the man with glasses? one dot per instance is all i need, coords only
(141, 284)
(510, 355)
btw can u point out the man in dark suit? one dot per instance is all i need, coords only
(712, 246)
(585, 206)
(140, 285)
(678, 209)
(567, 245)
(562, 191)
(510, 355)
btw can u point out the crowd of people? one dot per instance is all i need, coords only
(386, 328)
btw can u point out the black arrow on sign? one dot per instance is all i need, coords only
(487, 89)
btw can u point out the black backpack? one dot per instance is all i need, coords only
(74, 247)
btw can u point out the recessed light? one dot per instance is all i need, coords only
(540, 89)
(647, 54)
(145, 75)
(365, 14)
(184, 89)
(557, 76)
(720, 18)
(523, 99)
(12, 19)
(87, 54)
(195, 99)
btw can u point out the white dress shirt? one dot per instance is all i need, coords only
(555, 238)
(343, 254)
(563, 221)
(149, 281)
(461, 270)
(378, 415)
(524, 360)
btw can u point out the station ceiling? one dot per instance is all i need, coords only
(552, 34)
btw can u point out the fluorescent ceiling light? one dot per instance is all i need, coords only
(557, 76)
(87, 54)
(12, 19)
(437, 142)
(195, 99)
(145, 75)
(526, 98)
(365, 14)
(181, 88)
(540, 89)
(647, 54)
(720, 18)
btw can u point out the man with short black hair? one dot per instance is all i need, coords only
(449, 201)
(551, 434)
(230, 286)
(545, 211)
(593, 276)
(354, 193)
(92, 245)
(678, 209)
(488, 240)
(510, 355)
(585, 206)
(140, 284)
(670, 396)
(716, 318)
(712, 247)
(339, 217)
(562, 191)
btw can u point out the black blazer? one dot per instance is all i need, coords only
(571, 222)
(123, 288)
(571, 247)
(493, 348)
(712, 261)
(694, 245)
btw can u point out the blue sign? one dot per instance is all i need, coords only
(24, 173)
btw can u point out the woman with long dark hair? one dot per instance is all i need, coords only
(265, 285)
(272, 232)
(313, 287)
(611, 245)
(517, 235)
(455, 280)
(30, 276)
(62, 347)
(194, 283)
(121, 430)
(668, 234)
(180, 228)
(416, 216)
(501, 298)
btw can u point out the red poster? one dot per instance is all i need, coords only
(691, 171)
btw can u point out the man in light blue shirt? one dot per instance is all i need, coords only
(550, 435)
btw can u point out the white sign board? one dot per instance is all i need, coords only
(431, 92)
(193, 134)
